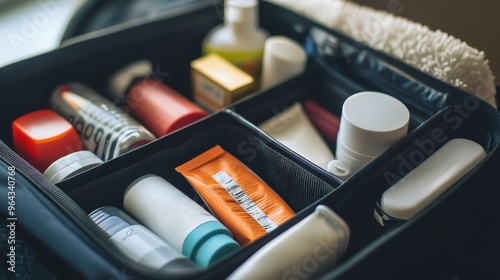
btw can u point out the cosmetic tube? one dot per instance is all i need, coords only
(242, 201)
(293, 129)
(177, 219)
(104, 128)
(43, 136)
(370, 123)
(305, 251)
(139, 243)
(324, 121)
(428, 180)
(71, 165)
(283, 59)
(155, 105)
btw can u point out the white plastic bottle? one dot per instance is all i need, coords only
(139, 243)
(239, 40)
(180, 221)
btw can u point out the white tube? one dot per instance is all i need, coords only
(293, 129)
(137, 242)
(177, 219)
(305, 251)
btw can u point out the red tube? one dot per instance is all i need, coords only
(160, 108)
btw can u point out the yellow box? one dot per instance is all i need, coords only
(217, 83)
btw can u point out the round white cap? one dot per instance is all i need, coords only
(283, 59)
(241, 11)
(71, 165)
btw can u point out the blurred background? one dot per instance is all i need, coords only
(30, 27)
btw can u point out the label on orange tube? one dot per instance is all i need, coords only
(241, 200)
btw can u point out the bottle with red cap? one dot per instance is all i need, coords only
(43, 136)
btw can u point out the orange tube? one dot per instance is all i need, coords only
(244, 203)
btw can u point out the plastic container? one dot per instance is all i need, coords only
(177, 219)
(155, 105)
(431, 178)
(71, 165)
(239, 40)
(370, 123)
(283, 59)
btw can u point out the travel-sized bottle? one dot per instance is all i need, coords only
(137, 242)
(239, 40)
(179, 220)
(157, 106)
(43, 136)
(283, 59)
(71, 165)
(104, 128)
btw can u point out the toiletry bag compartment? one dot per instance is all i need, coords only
(299, 184)
(432, 242)
(328, 80)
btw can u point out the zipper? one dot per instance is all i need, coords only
(80, 218)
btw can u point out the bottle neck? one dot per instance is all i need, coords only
(241, 19)
(240, 28)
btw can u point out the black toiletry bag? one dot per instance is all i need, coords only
(455, 237)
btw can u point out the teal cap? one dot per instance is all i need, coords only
(209, 242)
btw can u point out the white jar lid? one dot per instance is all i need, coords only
(71, 165)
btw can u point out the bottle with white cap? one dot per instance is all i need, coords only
(370, 123)
(179, 220)
(239, 40)
(283, 59)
